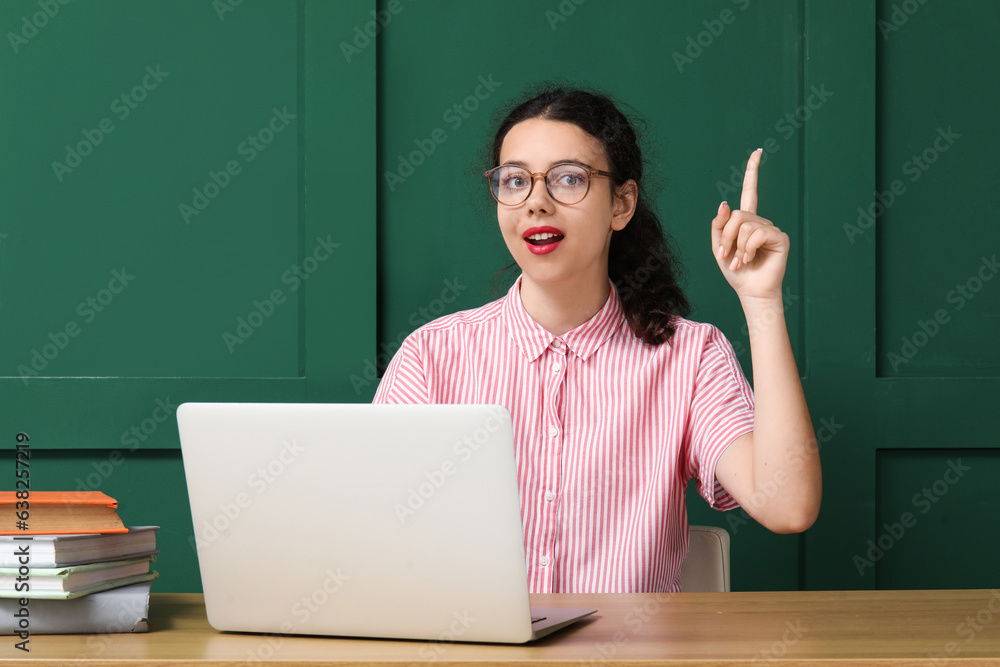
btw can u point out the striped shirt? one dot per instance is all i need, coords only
(608, 431)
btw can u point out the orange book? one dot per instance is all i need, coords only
(59, 513)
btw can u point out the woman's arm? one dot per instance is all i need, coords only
(774, 471)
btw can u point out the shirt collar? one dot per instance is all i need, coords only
(583, 341)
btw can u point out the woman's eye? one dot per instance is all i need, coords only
(515, 181)
(570, 179)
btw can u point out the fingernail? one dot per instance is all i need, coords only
(761, 150)
(720, 207)
(719, 252)
(746, 258)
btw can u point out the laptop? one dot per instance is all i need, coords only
(391, 521)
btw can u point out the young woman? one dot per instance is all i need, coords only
(618, 400)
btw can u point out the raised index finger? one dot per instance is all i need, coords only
(748, 200)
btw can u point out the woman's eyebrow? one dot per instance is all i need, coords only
(524, 165)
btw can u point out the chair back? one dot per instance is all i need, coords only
(706, 569)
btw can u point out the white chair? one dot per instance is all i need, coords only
(706, 569)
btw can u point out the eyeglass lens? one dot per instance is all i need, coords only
(567, 184)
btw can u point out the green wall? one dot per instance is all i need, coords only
(260, 200)
(227, 192)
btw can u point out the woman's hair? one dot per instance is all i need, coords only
(640, 261)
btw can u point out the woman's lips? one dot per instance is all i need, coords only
(542, 240)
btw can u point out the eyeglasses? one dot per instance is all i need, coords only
(566, 183)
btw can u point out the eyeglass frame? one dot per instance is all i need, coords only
(545, 174)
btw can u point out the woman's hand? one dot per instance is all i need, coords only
(750, 251)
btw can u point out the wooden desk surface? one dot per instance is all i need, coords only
(816, 628)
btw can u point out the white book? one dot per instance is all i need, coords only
(59, 550)
(72, 580)
(123, 609)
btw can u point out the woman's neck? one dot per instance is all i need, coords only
(559, 308)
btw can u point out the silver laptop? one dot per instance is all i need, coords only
(393, 521)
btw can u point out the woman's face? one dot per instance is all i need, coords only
(557, 244)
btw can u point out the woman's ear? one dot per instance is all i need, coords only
(626, 199)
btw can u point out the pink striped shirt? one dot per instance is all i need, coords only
(608, 432)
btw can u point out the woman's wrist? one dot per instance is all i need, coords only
(762, 312)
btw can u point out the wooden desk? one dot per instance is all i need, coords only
(814, 628)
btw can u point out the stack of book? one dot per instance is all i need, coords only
(69, 565)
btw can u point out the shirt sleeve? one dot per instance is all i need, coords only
(404, 380)
(721, 411)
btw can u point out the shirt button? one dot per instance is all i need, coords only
(544, 560)
(553, 431)
(557, 343)
(549, 496)
(555, 368)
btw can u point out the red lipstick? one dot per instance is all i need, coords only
(546, 239)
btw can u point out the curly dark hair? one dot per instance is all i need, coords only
(640, 262)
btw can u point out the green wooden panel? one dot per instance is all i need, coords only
(937, 303)
(113, 269)
(938, 264)
(840, 384)
(340, 170)
(181, 245)
(942, 412)
(934, 519)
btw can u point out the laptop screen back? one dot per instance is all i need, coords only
(357, 520)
